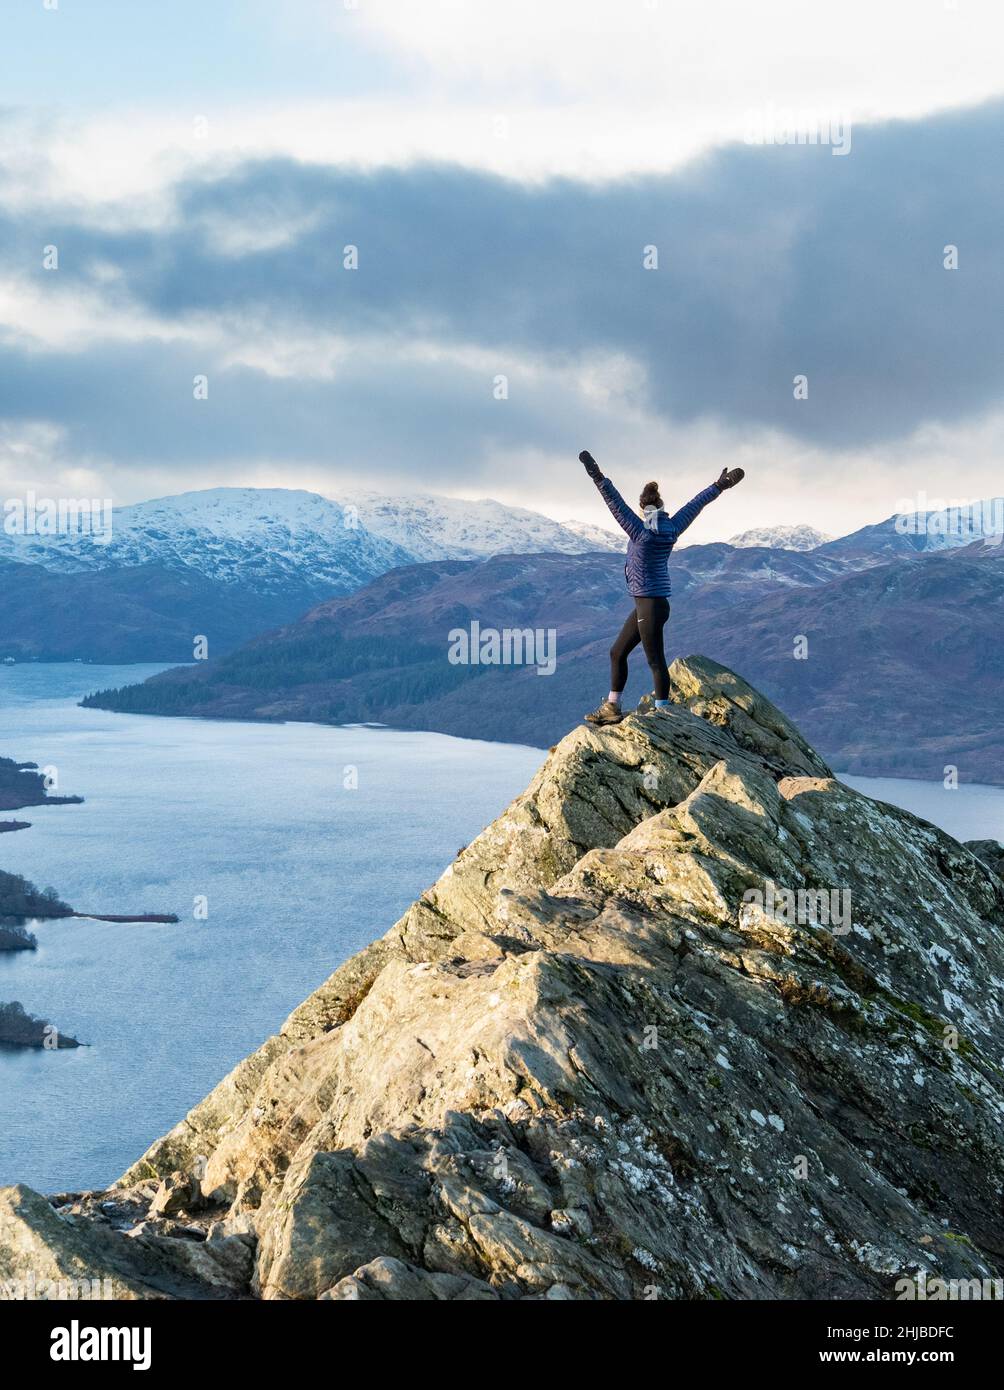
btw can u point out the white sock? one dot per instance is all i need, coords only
(614, 697)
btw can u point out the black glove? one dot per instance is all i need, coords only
(729, 479)
(591, 466)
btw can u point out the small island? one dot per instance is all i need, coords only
(15, 936)
(18, 1028)
(21, 901)
(21, 784)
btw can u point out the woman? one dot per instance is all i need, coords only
(650, 540)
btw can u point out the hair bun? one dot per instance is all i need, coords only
(650, 495)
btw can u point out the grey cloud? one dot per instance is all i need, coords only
(773, 261)
(135, 404)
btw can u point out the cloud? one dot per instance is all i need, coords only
(135, 407)
(586, 88)
(705, 63)
(773, 261)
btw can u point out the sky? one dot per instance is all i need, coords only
(577, 224)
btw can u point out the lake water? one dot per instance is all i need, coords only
(300, 870)
(969, 812)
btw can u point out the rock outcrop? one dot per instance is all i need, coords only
(991, 852)
(691, 1019)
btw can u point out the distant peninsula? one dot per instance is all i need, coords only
(21, 901)
(21, 784)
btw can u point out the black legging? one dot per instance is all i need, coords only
(644, 625)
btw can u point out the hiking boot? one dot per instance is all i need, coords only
(608, 713)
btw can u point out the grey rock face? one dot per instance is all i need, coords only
(991, 852)
(690, 1019)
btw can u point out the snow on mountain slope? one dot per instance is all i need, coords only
(450, 528)
(296, 544)
(936, 528)
(781, 538)
(597, 537)
(267, 540)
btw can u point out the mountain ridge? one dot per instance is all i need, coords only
(431, 527)
(228, 563)
(281, 540)
(937, 529)
(863, 688)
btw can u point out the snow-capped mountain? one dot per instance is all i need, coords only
(941, 528)
(280, 542)
(781, 538)
(449, 528)
(265, 540)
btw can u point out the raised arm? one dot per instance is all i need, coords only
(688, 513)
(625, 518)
(691, 510)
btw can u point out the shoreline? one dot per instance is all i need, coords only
(839, 772)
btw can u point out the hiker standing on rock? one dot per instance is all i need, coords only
(651, 537)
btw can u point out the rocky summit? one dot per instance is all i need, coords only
(691, 1019)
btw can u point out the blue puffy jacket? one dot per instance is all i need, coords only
(651, 539)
